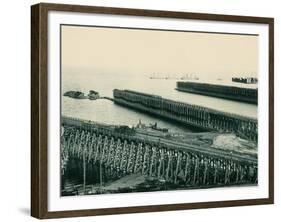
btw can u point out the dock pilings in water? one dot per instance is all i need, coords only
(197, 116)
(242, 94)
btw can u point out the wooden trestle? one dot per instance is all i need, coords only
(127, 154)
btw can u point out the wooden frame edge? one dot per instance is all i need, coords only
(271, 109)
(39, 110)
(155, 208)
(154, 13)
(35, 197)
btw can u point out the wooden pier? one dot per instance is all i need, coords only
(197, 116)
(241, 94)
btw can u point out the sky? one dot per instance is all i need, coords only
(150, 52)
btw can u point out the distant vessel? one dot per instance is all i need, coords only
(154, 126)
(159, 76)
(189, 77)
(184, 77)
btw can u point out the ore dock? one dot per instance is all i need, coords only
(188, 114)
(124, 151)
(241, 94)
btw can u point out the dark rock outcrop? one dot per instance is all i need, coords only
(75, 95)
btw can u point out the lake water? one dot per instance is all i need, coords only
(106, 111)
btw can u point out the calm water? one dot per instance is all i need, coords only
(107, 112)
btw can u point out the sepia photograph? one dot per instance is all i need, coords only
(149, 110)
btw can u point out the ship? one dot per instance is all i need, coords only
(155, 127)
(152, 126)
(189, 77)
